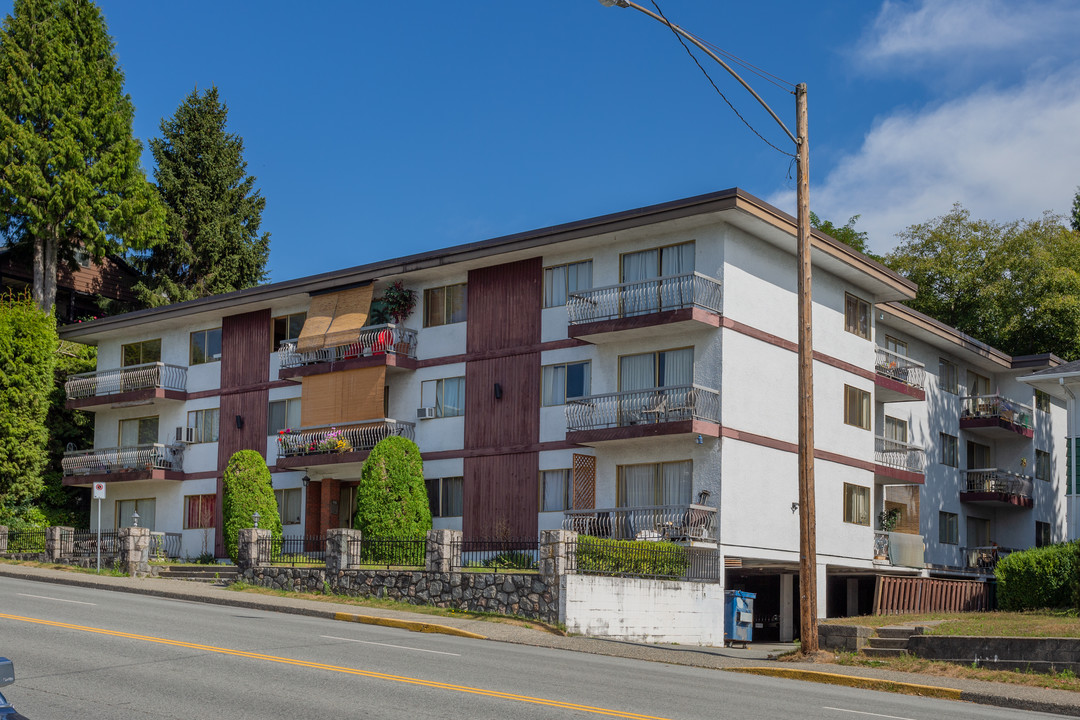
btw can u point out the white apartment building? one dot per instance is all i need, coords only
(631, 375)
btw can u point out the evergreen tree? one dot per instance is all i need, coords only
(213, 209)
(246, 489)
(391, 500)
(1075, 220)
(69, 166)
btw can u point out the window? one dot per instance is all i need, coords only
(204, 423)
(856, 407)
(147, 351)
(138, 431)
(447, 396)
(1042, 465)
(82, 257)
(948, 528)
(948, 376)
(205, 346)
(198, 511)
(444, 496)
(897, 346)
(896, 429)
(564, 382)
(288, 505)
(1042, 401)
(146, 507)
(445, 305)
(286, 327)
(561, 280)
(978, 456)
(1043, 536)
(556, 490)
(978, 532)
(950, 450)
(856, 316)
(856, 504)
(657, 262)
(284, 415)
(666, 368)
(978, 385)
(668, 483)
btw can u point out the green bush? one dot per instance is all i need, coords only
(506, 560)
(631, 557)
(246, 489)
(1046, 577)
(391, 500)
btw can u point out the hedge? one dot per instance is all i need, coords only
(1045, 577)
(246, 489)
(631, 557)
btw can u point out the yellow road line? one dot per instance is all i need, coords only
(337, 668)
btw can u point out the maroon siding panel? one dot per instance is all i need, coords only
(504, 305)
(513, 419)
(500, 495)
(245, 349)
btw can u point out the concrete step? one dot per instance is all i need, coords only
(896, 631)
(881, 643)
(882, 652)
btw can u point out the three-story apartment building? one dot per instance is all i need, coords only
(631, 375)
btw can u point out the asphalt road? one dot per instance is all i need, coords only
(84, 653)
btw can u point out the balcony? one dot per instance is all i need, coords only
(389, 345)
(668, 305)
(995, 416)
(986, 558)
(643, 413)
(899, 549)
(895, 460)
(995, 487)
(690, 524)
(337, 444)
(135, 385)
(139, 462)
(898, 378)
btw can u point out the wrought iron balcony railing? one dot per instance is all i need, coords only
(133, 377)
(992, 480)
(386, 339)
(900, 368)
(679, 523)
(995, 406)
(341, 438)
(672, 292)
(899, 455)
(110, 460)
(640, 407)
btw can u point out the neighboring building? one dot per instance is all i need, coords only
(628, 375)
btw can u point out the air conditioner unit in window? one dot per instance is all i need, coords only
(425, 413)
(185, 435)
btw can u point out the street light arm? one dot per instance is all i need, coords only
(710, 53)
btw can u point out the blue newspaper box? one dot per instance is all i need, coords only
(738, 617)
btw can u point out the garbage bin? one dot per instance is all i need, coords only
(738, 617)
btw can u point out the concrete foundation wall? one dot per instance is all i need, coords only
(1036, 654)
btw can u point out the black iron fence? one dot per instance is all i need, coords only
(30, 540)
(601, 556)
(86, 543)
(500, 555)
(389, 552)
(293, 550)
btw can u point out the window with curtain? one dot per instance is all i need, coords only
(561, 280)
(138, 431)
(897, 346)
(556, 490)
(445, 496)
(665, 368)
(948, 376)
(198, 511)
(445, 305)
(447, 396)
(566, 381)
(856, 407)
(284, 415)
(655, 263)
(977, 384)
(146, 507)
(668, 483)
(856, 316)
(856, 504)
(1042, 465)
(1042, 401)
(288, 504)
(896, 429)
(950, 450)
(205, 425)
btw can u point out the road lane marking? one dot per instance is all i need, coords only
(336, 668)
(860, 712)
(399, 647)
(45, 597)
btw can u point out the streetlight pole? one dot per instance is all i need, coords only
(807, 509)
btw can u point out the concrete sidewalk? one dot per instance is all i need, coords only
(757, 658)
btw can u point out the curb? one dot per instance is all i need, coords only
(411, 625)
(855, 681)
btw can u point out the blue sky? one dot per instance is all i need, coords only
(382, 129)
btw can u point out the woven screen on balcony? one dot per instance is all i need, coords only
(335, 319)
(342, 397)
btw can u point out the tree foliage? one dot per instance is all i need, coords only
(1075, 220)
(1015, 285)
(67, 505)
(213, 208)
(1037, 578)
(246, 489)
(69, 165)
(846, 234)
(391, 501)
(27, 357)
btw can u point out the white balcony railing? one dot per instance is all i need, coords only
(134, 377)
(679, 523)
(641, 407)
(386, 339)
(111, 460)
(901, 549)
(341, 438)
(672, 292)
(992, 480)
(995, 406)
(900, 368)
(899, 455)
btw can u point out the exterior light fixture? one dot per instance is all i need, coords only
(255, 518)
(135, 519)
(306, 480)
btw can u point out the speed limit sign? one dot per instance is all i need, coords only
(99, 490)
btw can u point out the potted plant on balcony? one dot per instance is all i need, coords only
(395, 305)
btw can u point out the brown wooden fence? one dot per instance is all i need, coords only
(898, 595)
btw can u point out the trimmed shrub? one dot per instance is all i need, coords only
(391, 501)
(246, 489)
(1046, 577)
(631, 557)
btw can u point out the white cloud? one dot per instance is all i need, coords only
(1004, 154)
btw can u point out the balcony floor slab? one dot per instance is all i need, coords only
(121, 476)
(644, 430)
(665, 322)
(148, 396)
(997, 499)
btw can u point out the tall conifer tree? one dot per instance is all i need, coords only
(213, 208)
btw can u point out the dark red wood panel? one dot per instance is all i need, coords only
(509, 420)
(252, 408)
(245, 349)
(504, 305)
(500, 496)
